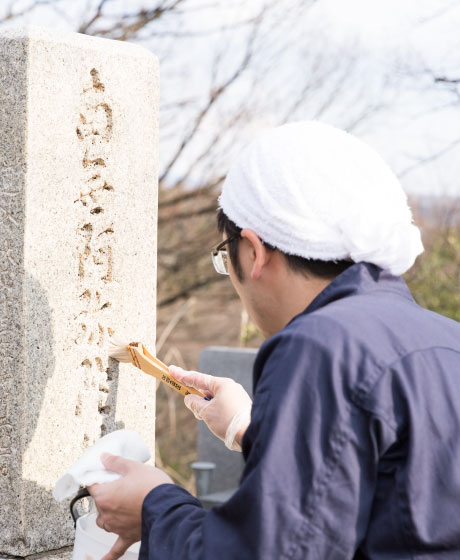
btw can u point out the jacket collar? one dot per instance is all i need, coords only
(360, 278)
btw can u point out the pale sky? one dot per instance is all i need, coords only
(395, 45)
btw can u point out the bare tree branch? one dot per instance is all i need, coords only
(10, 15)
(183, 310)
(443, 79)
(191, 194)
(179, 104)
(211, 147)
(440, 12)
(84, 27)
(189, 290)
(430, 159)
(187, 215)
(214, 95)
(335, 90)
(127, 26)
(203, 32)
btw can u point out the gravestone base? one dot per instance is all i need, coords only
(236, 363)
(61, 554)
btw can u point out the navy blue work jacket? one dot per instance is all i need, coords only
(353, 451)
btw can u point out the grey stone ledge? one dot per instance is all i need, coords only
(61, 554)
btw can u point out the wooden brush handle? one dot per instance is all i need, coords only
(141, 358)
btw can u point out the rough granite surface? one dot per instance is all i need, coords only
(78, 200)
(61, 554)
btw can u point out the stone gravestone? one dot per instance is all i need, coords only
(236, 363)
(78, 199)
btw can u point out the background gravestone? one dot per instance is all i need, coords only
(78, 199)
(236, 363)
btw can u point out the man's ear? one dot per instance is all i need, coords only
(260, 255)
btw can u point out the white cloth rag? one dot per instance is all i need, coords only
(89, 468)
(315, 191)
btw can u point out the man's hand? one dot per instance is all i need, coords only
(119, 503)
(227, 414)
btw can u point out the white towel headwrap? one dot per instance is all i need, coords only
(315, 191)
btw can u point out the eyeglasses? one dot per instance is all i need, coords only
(219, 255)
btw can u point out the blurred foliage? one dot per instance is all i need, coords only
(434, 280)
(250, 334)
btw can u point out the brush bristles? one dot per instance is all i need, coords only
(118, 350)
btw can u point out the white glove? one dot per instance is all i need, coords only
(227, 414)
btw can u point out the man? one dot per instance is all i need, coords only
(352, 446)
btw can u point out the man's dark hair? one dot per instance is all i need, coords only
(307, 267)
